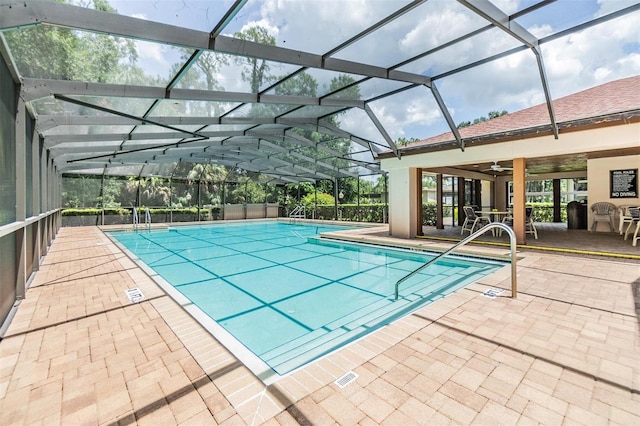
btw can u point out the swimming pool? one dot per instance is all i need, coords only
(287, 296)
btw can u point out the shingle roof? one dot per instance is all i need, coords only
(609, 98)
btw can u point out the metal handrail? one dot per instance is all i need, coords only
(136, 220)
(147, 218)
(512, 241)
(298, 212)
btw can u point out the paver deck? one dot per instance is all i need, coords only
(566, 351)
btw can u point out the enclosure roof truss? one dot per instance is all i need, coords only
(290, 137)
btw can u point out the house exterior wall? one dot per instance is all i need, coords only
(576, 142)
(599, 178)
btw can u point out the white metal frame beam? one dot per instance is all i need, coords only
(500, 20)
(58, 14)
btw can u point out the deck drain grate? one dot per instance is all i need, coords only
(493, 292)
(346, 379)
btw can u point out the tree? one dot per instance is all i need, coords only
(255, 70)
(81, 191)
(404, 141)
(340, 87)
(492, 115)
(302, 84)
(64, 54)
(154, 191)
(211, 177)
(203, 74)
(321, 199)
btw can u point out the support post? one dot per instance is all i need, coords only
(335, 196)
(557, 217)
(418, 195)
(102, 197)
(519, 199)
(461, 200)
(477, 193)
(198, 198)
(439, 206)
(385, 185)
(21, 199)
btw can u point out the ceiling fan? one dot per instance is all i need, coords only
(495, 167)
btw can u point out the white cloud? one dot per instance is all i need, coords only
(540, 31)
(507, 6)
(608, 6)
(272, 30)
(358, 123)
(593, 56)
(314, 26)
(148, 51)
(413, 107)
(630, 62)
(435, 28)
(590, 57)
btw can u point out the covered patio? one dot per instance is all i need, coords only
(552, 238)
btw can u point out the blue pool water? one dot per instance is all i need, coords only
(290, 297)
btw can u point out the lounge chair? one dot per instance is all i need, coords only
(472, 220)
(625, 218)
(634, 225)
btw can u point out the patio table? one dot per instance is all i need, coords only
(494, 216)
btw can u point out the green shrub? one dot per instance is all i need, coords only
(429, 213)
(110, 211)
(309, 201)
(373, 213)
(95, 211)
(543, 212)
(167, 210)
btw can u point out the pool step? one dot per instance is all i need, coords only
(354, 326)
(375, 309)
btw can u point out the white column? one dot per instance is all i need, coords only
(403, 203)
(519, 199)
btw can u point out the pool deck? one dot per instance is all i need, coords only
(565, 351)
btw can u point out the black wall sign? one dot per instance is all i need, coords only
(624, 183)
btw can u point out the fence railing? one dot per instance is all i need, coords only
(372, 213)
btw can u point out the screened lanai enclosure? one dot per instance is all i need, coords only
(202, 192)
(191, 107)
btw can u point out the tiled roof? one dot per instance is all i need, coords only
(613, 97)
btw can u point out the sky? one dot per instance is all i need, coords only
(573, 63)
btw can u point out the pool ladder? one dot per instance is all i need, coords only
(299, 212)
(147, 218)
(512, 241)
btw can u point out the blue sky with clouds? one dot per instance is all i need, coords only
(581, 60)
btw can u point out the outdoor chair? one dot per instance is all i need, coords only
(634, 213)
(603, 212)
(625, 218)
(529, 225)
(472, 220)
